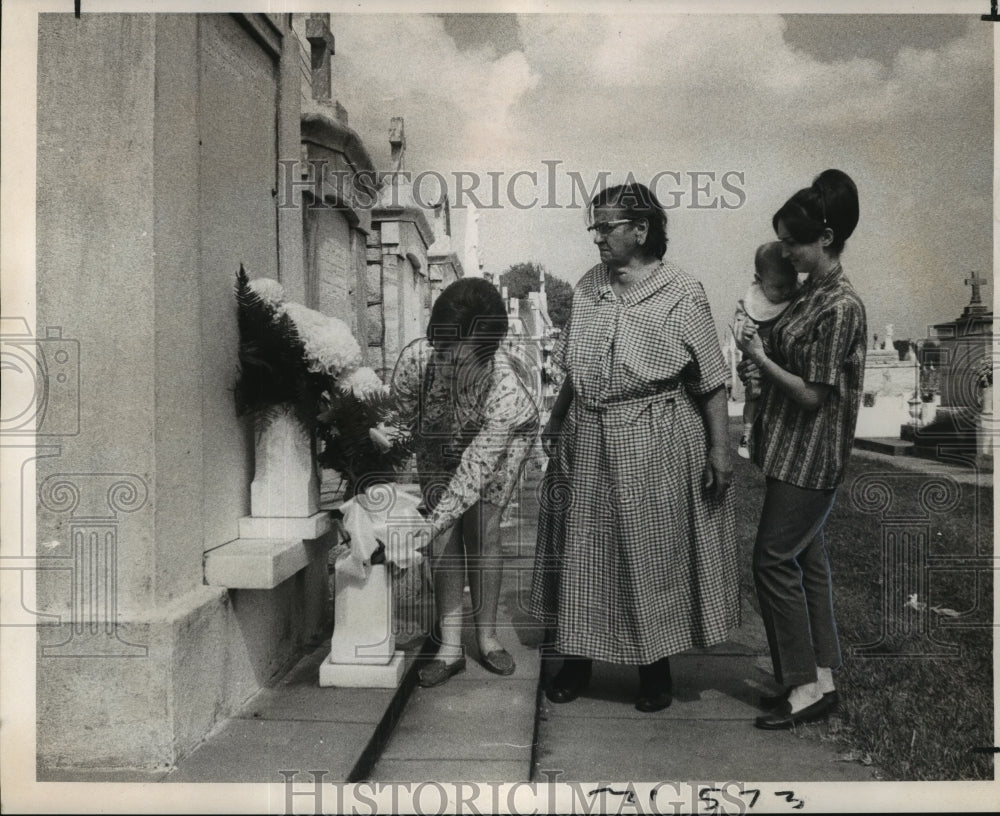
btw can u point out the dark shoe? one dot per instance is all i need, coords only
(499, 661)
(783, 719)
(437, 672)
(654, 701)
(655, 686)
(769, 702)
(570, 681)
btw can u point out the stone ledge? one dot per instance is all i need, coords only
(275, 527)
(263, 563)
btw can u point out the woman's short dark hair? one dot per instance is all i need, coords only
(637, 201)
(469, 308)
(831, 202)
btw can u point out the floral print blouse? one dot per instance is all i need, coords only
(473, 428)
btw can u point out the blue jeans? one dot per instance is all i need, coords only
(792, 576)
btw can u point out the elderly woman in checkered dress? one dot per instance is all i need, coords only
(636, 557)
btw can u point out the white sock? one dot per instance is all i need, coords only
(824, 679)
(804, 696)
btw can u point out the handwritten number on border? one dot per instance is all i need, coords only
(790, 797)
(712, 804)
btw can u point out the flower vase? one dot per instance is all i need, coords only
(284, 494)
(916, 410)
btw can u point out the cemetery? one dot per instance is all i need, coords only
(251, 609)
(935, 399)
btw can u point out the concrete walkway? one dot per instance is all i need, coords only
(481, 727)
(706, 734)
(478, 726)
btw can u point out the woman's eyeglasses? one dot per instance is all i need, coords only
(602, 228)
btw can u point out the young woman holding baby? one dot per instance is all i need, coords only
(811, 378)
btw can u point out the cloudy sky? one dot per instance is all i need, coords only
(902, 103)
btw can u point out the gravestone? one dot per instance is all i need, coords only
(963, 421)
(889, 384)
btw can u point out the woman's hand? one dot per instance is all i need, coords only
(747, 370)
(718, 473)
(550, 435)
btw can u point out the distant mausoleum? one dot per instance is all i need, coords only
(962, 428)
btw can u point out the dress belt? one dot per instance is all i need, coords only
(616, 405)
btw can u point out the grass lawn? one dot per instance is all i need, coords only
(916, 684)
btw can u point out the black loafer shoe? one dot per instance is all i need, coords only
(783, 719)
(570, 682)
(499, 661)
(437, 672)
(770, 702)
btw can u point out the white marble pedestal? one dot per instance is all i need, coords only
(359, 675)
(363, 647)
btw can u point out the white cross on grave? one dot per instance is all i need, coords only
(976, 283)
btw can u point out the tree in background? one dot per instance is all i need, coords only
(521, 278)
(902, 347)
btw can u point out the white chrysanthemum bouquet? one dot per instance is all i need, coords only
(291, 355)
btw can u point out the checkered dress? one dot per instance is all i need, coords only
(635, 560)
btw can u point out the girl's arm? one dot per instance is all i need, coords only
(807, 395)
(405, 385)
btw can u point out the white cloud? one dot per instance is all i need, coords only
(407, 65)
(645, 93)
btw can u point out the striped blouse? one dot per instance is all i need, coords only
(821, 337)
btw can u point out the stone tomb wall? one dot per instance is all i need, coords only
(157, 144)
